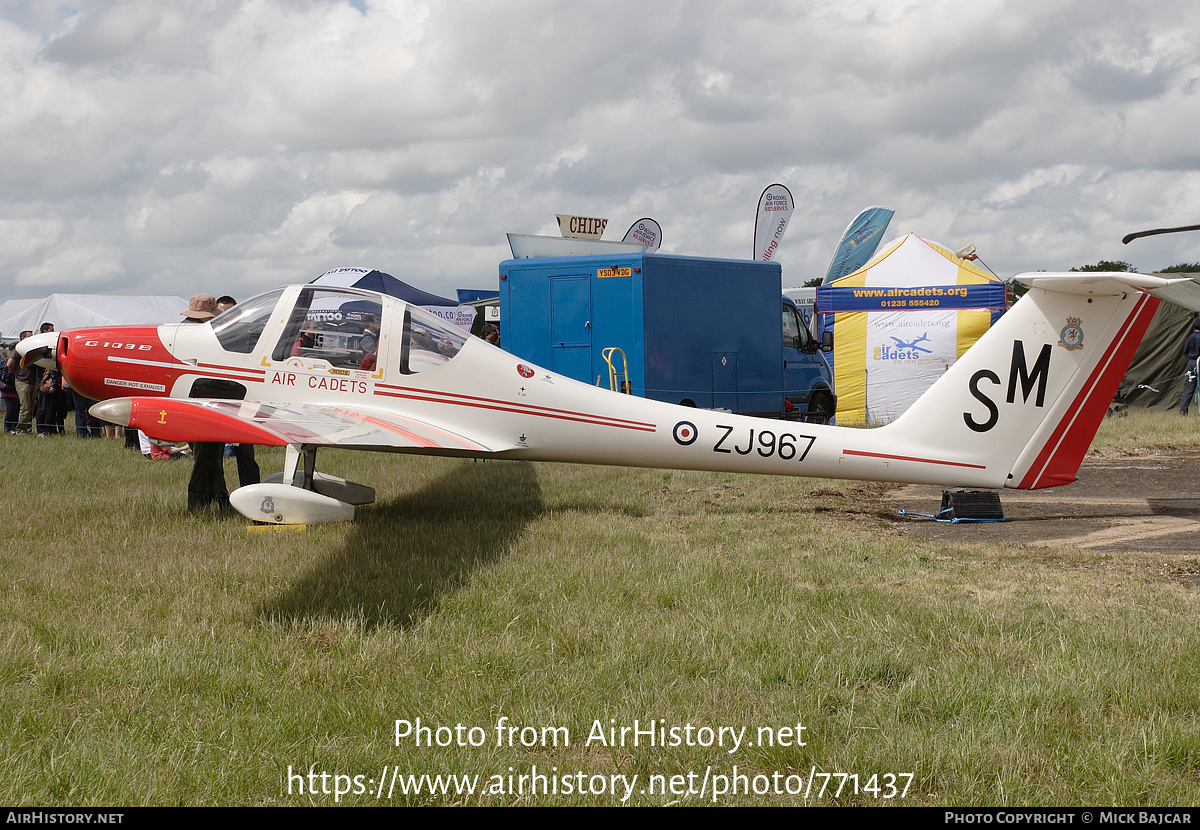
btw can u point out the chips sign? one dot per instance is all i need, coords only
(581, 227)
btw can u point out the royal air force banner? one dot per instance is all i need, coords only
(774, 210)
(645, 232)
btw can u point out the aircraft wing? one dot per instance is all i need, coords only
(254, 422)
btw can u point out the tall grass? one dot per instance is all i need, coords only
(1144, 431)
(152, 657)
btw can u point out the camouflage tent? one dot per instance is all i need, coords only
(1159, 360)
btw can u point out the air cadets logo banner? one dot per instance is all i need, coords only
(911, 298)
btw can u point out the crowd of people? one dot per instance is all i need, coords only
(37, 400)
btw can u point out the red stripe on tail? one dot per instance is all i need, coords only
(1062, 454)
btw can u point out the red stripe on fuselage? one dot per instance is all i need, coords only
(250, 371)
(917, 460)
(1060, 457)
(173, 371)
(454, 399)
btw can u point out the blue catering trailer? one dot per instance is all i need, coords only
(711, 333)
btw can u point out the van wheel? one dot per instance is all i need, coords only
(820, 409)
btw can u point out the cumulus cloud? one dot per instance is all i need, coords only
(231, 145)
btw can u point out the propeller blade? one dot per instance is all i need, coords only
(39, 349)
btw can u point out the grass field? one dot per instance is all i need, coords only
(152, 657)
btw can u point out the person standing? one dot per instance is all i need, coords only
(52, 403)
(49, 385)
(206, 486)
(1191, 350)
(85, 425)
(12, 404)
(26, 383)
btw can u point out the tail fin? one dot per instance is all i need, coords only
(1026, 400)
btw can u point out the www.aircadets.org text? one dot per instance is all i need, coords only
(640, 733)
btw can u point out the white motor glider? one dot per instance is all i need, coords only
(297, 367)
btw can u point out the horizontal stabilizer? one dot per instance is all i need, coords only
(1181, 291)
(1129, 237)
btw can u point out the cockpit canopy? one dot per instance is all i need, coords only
(238, 328)
(428, 341)
(346, 328)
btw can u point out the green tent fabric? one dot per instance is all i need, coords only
(1159, 360)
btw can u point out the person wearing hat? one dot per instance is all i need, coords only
(206, 486)
(201, 309)
(1191, 350)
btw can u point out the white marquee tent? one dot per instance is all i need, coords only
(67, 311)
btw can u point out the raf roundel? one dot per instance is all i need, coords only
(524, 371)
(685, 433)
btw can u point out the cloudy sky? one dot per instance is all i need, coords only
(229, 146)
